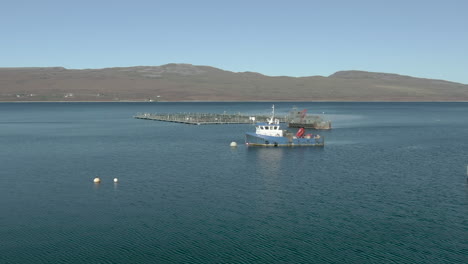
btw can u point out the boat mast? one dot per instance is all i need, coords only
(272, 119)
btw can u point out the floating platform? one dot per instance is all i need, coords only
(297, 119)
(204, 118)
(312, 124)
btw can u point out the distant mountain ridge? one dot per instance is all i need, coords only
(353, 74)
(187, 82)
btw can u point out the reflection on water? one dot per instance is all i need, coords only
(96, 186)
(267, 158)
(277, 169)
(267, 163)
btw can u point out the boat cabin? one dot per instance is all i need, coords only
(268, 129)
(271, 127)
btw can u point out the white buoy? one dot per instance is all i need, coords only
(233, 144)
(97, 180)
(116, 180)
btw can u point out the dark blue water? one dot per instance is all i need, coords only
(389, 187)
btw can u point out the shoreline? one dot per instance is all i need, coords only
(259, 101)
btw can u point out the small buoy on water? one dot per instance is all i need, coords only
(233, 144)
(97, 180)
(116, 180)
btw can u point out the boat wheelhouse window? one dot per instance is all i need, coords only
(266, 128)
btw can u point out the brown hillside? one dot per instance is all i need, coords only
(186, 82)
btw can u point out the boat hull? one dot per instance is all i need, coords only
(254, 139)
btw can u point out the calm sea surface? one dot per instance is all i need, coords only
(390, 186)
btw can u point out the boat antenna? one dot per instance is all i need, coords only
(272, 119)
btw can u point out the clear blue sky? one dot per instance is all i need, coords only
(295, 38)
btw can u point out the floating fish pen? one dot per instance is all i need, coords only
(204, 118)
(298, 119)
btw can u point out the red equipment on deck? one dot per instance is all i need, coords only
(300, 132)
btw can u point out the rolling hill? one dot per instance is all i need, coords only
(186, 82)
